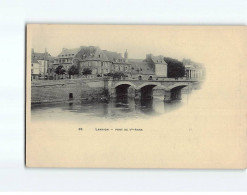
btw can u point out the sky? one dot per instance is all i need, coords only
(170, 41)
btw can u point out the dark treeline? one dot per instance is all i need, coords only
(175, 68)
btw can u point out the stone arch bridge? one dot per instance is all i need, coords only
(143, 89)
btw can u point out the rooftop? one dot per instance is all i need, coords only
(112, 56)
(141, 66)
(40, 56)
(69, 52)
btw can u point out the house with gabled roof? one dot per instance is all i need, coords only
(92, 57)
(35, 68)
(66, 58)
(159, 65)
(102, 61)
(141, 69)
(43, 60)
(149, 68)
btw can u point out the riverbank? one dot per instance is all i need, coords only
(46, 91)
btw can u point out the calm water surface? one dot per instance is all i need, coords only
(121, 108)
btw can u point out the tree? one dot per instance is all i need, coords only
(60, 70)
(109, 74)
(175, 68)
(73, 70)
(86, 71)
(118, 75)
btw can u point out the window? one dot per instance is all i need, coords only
(94, 71)
(70, 95)
(32, 65)
(32, 71)
(126, 68)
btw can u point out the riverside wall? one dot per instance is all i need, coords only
(67, 90)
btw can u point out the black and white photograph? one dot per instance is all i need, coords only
(133, 96)
(108, 83)
(123, 96)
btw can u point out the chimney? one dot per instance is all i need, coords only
(45, 50)
(32, 50)
(148, 56)
(126, 55)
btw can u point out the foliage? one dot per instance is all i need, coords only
(73, 70)
(118, 75)
(86, 71)
(175, 68)
(109, 74)
(60, 70)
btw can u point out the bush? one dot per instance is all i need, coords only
(73, 70)
(118, 75)
(86, 71)
(60, 70)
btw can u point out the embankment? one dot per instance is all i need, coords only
(67, 90)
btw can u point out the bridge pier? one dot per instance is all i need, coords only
(113, 93)
(167, 96)
(180, 94)
(138, 94)
(176, 94)
(172, 95)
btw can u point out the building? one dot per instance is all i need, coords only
(66, 58)
(153, 67)
(159, 65)
(118, 63)
(103, 62)
(35, 69)
(44, 60)
(100, 62)
(194, 70)
(141, 69)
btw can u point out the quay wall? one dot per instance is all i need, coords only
(64, 90)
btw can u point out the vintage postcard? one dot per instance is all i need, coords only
(136, 96)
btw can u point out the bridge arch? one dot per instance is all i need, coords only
(154, 84)
(145, 90)
(125, 83)
(177, 86)
(173, 92)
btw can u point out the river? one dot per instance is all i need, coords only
(121, 108)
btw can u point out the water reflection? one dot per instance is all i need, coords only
(119, 108)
